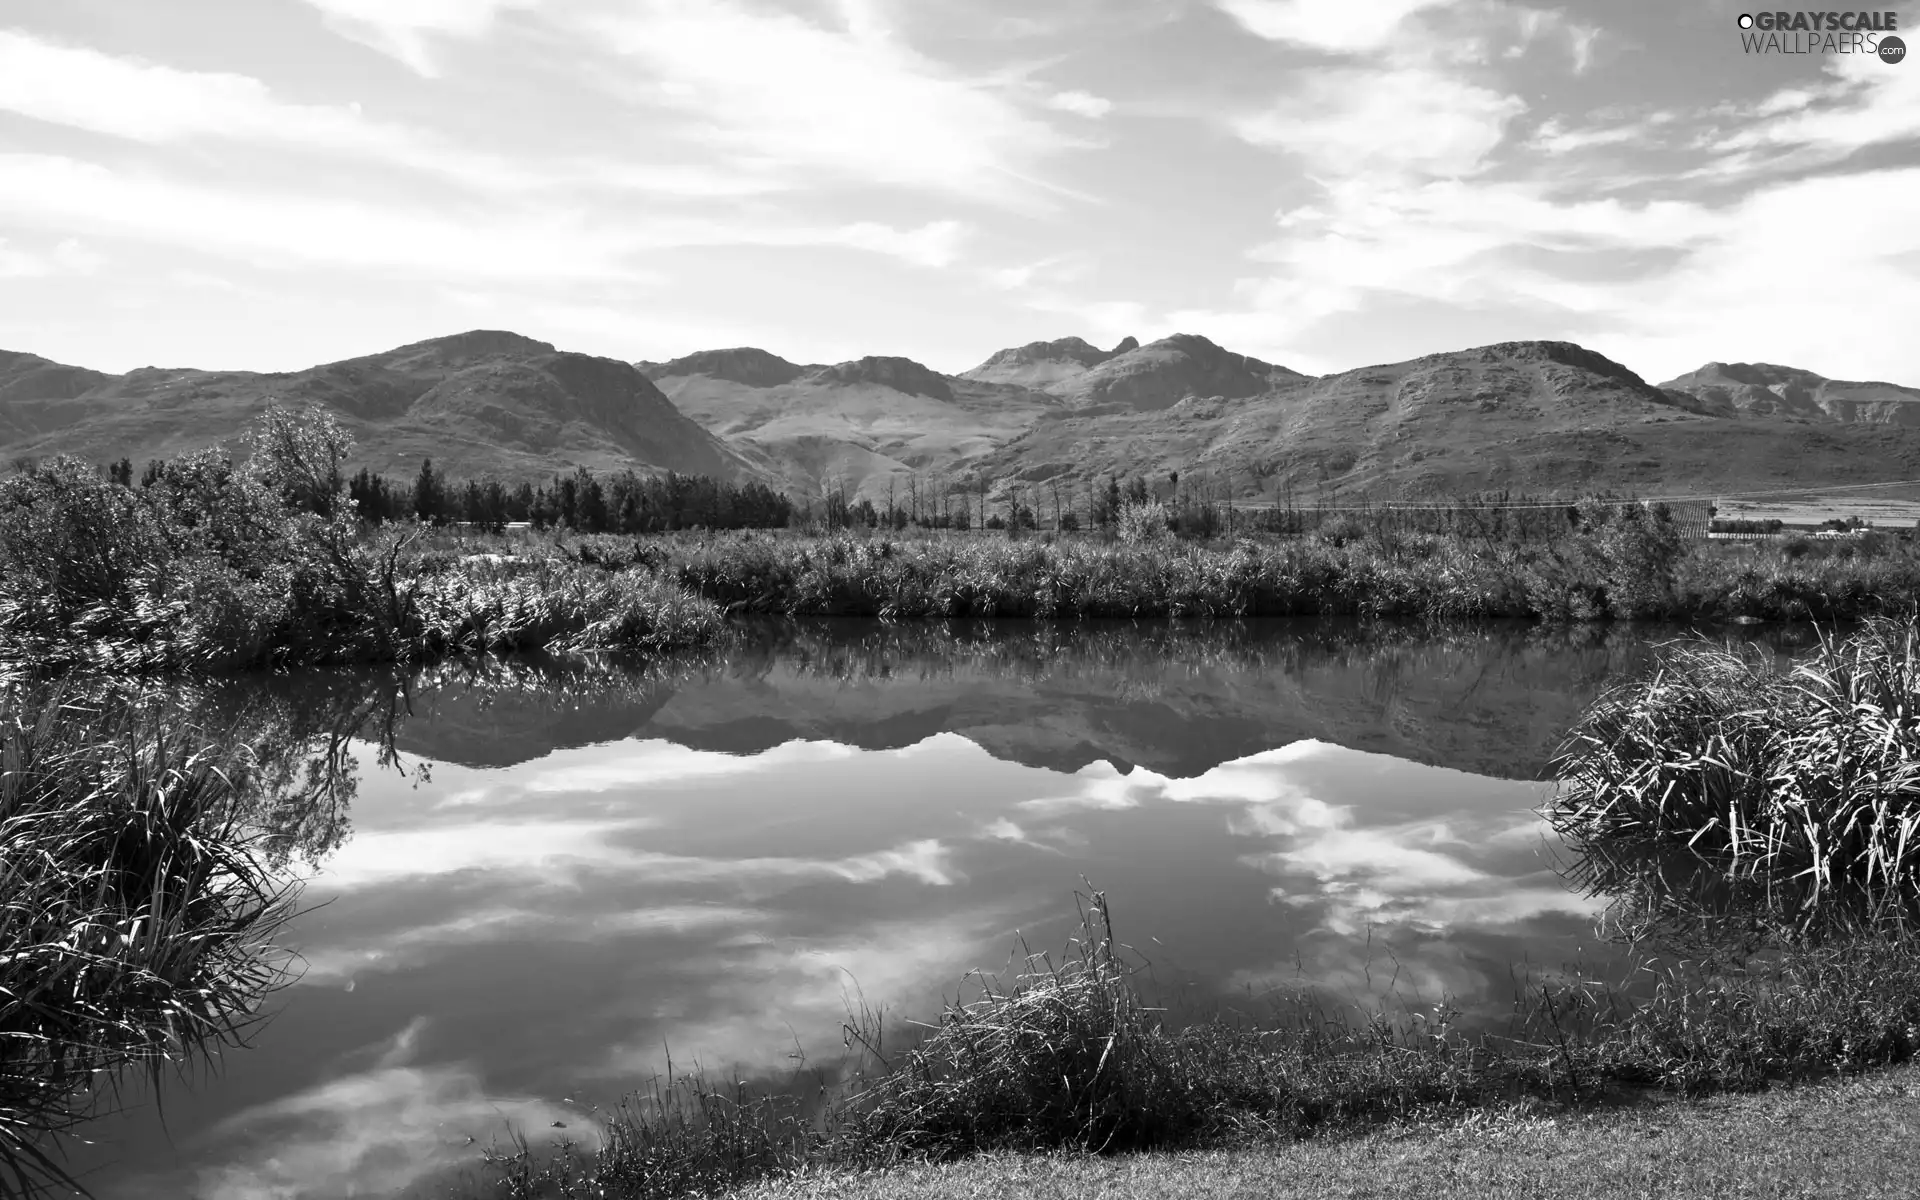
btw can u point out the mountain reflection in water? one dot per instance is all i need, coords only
(534, 879)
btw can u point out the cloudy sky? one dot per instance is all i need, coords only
(268, 184)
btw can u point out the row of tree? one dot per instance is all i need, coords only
(631, 503)
(623, 503)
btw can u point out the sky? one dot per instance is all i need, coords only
(1325, 184)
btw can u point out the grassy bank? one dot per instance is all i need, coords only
(1067, 1056)
(137, 909)
(1852, 1138)
(207, 564)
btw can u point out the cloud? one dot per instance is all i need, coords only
(406, 29)
(279, 228)
(1408, 122)
(1081, 104)
(1337, 26)
(160, 105)
(407, 947)
(1860, 104)
(69, 256)
(149, 102)
(896, 965)
(556, 852)
(1556, 137)
(283, 228)
(850, 103)
(371, 1133)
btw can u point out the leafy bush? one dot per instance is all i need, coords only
(1145, 523)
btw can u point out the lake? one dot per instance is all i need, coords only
(533, 881)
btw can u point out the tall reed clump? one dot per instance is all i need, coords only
(550, 605)
(136, 910)
(1068, 1055)
(1790, 795)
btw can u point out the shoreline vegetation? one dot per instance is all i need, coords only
(284, 561)
(139, 907)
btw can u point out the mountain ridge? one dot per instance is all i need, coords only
(1532, 415)
(482, 401)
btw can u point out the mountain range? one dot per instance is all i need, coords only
(1534, 415)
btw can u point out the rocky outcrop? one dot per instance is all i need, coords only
(900, 374)
(1161, 374)
(744, 365)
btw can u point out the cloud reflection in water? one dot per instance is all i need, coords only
(563, 921)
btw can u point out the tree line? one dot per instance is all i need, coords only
(626, 502)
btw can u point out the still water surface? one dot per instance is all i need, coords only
(548, 877)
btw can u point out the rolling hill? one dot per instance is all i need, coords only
(1536, 416)
(1764, 389)
(476, 403)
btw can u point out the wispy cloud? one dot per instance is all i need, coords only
(1081, 104)
(372, 1133)
(68, 256)
(408, 30)
(1331, 25)
(407, 947)
(157, 104)
(151, 102)
(1407, 122)
(275, 227)
(553, 852)
(847, 99)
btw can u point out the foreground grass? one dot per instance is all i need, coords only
(1067, 1056)
(1844, 1138)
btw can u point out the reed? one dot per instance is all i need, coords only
(1791, 795)
(137, 911)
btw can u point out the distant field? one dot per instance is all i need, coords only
(1886, 508)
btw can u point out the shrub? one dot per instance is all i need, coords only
(1144, 523)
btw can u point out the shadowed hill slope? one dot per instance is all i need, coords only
(484, 402)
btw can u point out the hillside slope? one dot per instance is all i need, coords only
(1763, 389)
(1161, 374)
(864, 423)
(477, 403)
(1545, 417)
(1040, 364)
(1534, 416)
(873, 423)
